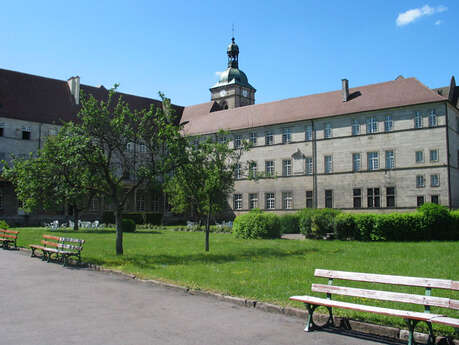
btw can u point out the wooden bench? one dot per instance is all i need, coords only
(411, 317)
(62, 247)
(7, 237)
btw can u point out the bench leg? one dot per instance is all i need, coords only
(310, 325)
(411, 325)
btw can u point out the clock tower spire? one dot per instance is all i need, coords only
(233, 89)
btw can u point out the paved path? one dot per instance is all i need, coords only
(45, 303)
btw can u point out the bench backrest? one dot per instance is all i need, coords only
(60, 242)
(427, 300)
(9, 233)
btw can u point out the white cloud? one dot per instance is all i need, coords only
(218, 74)
(438, 22)
(410, 16)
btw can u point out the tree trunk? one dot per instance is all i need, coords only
(207, 231)
(119, 233)
(75, 218)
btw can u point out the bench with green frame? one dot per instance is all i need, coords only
(61, 247)
(8, 237)
(412, 318)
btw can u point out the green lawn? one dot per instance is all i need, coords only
(265, 270)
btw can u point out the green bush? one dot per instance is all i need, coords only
(365, 224)
(3, 224)
(256, 224)
(108, 217)
(323, 222)
(305, 221)
(137, 217)
(436, 221)
(289, 223)
(345, 226)
(127, 225)
(454, 225)
(154, 218)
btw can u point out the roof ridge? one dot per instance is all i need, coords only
(31, 75)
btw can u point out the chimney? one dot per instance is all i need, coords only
(345, 89)
(74, 87)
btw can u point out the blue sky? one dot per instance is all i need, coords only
(287, 48)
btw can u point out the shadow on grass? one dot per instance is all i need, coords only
(243, 255)
(103, 232)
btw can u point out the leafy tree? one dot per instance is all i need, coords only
(126, 148)
(54, 176)
(201, 185)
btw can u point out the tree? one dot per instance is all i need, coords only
(54, 176)
(201, 185)
(126, 148)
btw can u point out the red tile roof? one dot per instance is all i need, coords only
(33, 98)
(391, 94)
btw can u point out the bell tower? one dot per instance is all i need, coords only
(233, 89)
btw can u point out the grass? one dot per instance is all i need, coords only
(267, 270)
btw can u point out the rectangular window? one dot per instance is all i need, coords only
(328, 164)
(309, 199)
(434, 199)
(237, 171)
(130, 147)
(388, 124)
(432, 119)
(253, 169)
(355, 127)
(287, 200)
(356, 162)
(286, 135)
(1, 132)
(269, 168)
(420, 183)
(328, 198)
(26, 133)
(270, 201)
(420, 200)
(419, 156)
(142, 148)
(390, 197)
(433, 155)
(140, 202)
(390, 160)
(373, 160)
(253, 201)
(286, 167)
(417, 120)
(309, 167)
(357, 196)
(373, 198)
(237, 141)
(372, 125)
(237, 201)
(94, 204)
(269, 139)
(253, 138)
(327, 131)
(156, 202)
(308, 133)
(435, 180)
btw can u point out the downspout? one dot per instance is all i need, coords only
(447, 156)
(314, 165)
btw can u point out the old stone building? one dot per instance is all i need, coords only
(384, 147)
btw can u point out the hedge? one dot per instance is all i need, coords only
(257, 224)
(127, 225)
(429, 222)
(108, 217)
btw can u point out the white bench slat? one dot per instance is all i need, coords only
(454, 304)
(383, 295)
(389, 279)
(444, 320)
(365, 308)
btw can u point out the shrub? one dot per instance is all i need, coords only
(3, 224)
(305, 221)
(154, 218)
(138, 218)
(345, 226)
(454, 225)
(256, 224)
(108, 217)
(127, 225)
(436, 221)
(289, 224)
(323, 222)
(365, 224)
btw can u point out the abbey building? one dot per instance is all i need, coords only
(379, 147)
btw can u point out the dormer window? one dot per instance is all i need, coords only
(2, 130)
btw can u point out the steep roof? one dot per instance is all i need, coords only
(391, 94)
(39, 99)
